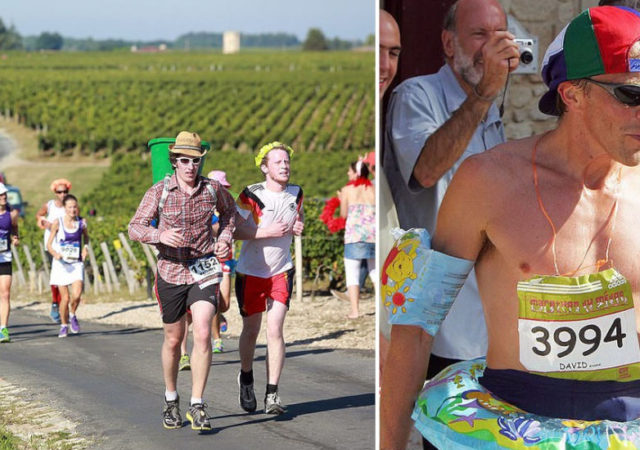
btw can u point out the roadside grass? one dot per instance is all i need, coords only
(8, 441)
(26, 423)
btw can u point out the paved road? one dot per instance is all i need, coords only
(108, 379)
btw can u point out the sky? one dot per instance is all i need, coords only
(168, 19)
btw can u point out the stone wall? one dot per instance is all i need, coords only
(545, 19)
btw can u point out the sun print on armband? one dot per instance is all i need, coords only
(398, 300)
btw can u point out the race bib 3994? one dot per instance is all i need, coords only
(581, 328)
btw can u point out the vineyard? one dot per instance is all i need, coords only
(97, 103)
(113, 103)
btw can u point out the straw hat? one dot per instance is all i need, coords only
(188, 143)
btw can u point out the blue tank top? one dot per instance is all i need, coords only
(5, 231)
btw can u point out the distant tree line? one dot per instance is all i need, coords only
(10, 39)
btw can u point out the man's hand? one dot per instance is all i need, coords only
(171, 237)
(500, 55)
(221, 249)
(275, 229)
(298, 226)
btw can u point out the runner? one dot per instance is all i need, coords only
(8, 237)
(228, 268)
(272, 213)
(188, 272)
(67, 268)
(46, 215)
(224, 296)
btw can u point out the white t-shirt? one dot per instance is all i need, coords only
(267, 257)
(53, 214)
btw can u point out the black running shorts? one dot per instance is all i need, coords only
(174, 299)
(5, 268)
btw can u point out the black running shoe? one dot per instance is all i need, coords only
(247, 397)
(198, 417)
(171, 418)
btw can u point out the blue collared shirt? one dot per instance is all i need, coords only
(417, 108)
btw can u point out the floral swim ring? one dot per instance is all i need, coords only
(454, 411)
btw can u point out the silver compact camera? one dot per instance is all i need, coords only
(528, 55)
(526, 50)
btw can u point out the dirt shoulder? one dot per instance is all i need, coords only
(318, 322)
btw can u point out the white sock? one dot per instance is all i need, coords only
(71, 315)
(171, 396)
(2, 327)
(195, 400)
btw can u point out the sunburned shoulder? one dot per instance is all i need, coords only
(495, 173)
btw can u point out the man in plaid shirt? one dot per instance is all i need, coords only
(189, 272)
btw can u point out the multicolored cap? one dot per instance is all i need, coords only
(270, 146)
(596, 42)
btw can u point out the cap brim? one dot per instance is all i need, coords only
(547, 103)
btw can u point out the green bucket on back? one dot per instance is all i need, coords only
(160, 165)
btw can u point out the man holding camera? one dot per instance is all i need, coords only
(434, 123)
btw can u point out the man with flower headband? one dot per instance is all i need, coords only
(189, 271)
(550, 225)
(272, 213)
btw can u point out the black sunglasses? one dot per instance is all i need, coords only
(627, 94)
(62, 192)
(186, 161)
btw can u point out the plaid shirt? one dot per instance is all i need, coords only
(192, 215)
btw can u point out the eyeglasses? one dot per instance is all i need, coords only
(186, 161)
(62, 192)
(627, 94)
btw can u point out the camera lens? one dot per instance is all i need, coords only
(526, 57)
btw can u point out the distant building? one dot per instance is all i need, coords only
(230, 42)
(149, 48)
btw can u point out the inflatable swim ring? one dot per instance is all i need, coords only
(454, 411)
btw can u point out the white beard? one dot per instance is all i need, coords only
(463, 65)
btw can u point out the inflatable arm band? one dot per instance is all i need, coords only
(421, 297)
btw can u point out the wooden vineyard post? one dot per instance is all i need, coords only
(127, 247)
(97, 281)
(45, 260)
(131, 282)
(298, 250)
(112, 269)
(150, 259)
(107, 277)
(32, 268)
(16, 258)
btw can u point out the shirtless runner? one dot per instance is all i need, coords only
(546, 210)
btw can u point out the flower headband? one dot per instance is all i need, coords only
(267, 148)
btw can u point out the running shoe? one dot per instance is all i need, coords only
(185, 362)
(171, 418)
(75, 326)
(64, 331)
(272, 404)
(55, 313)
(223, 324)
(247, 397)
(4, 335)
(217, 346)
(198, 417)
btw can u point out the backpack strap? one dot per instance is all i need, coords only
(163, 197)
(212, 191)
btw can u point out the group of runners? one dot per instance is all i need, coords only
(195, 264)
(65, 239)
